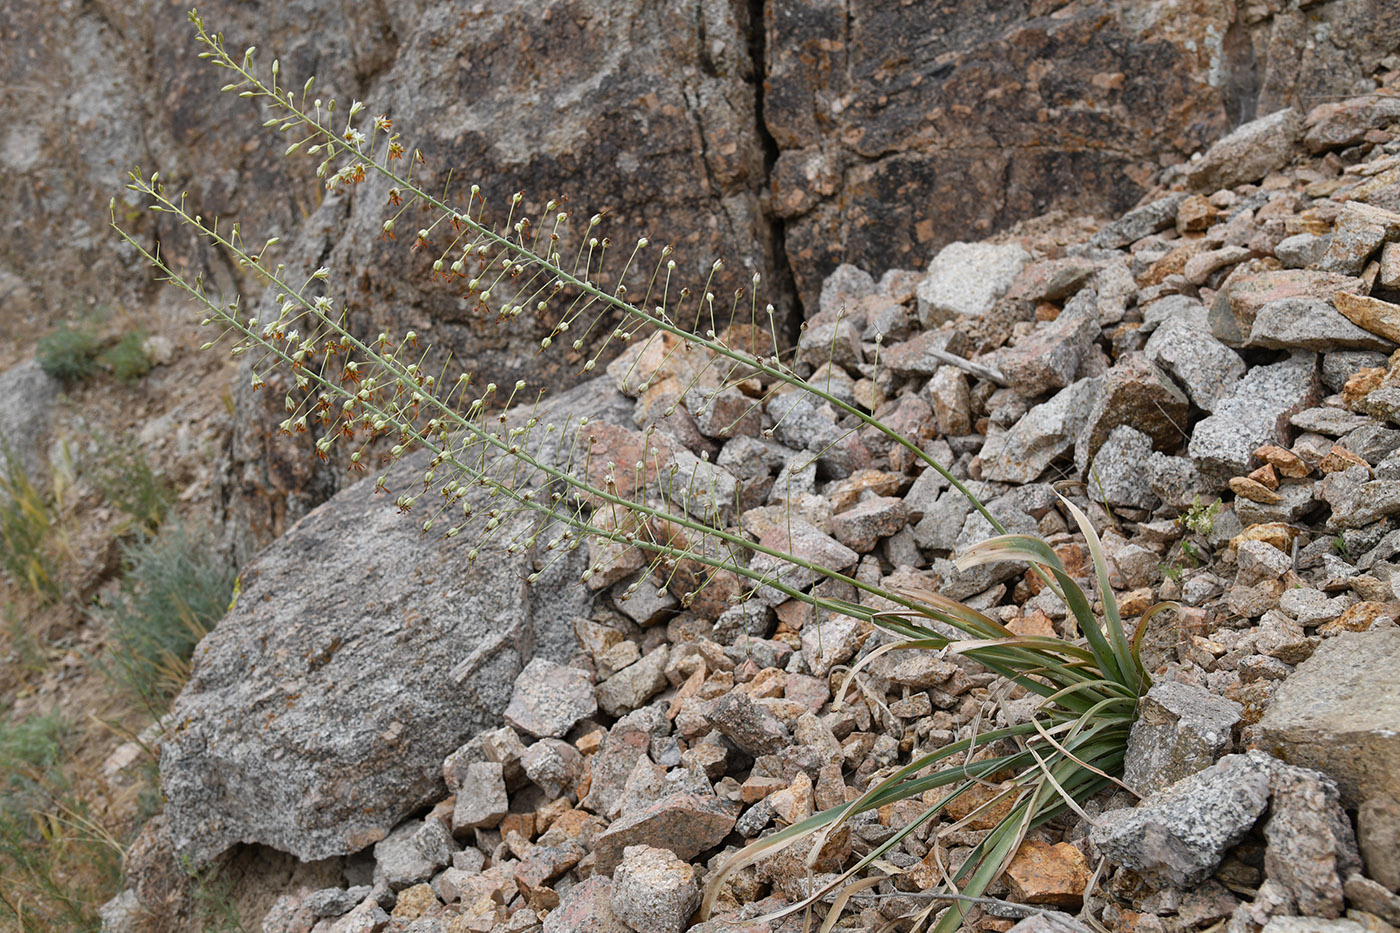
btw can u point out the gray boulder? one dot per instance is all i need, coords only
(360, 653)
(1310, 848)
(1049, 357)
(966, 279)
(1309, 324)
(1178, 836)
(1248, 153)
(1338, 713)
(1204, 366)
(1181, 729)
(1255, 414)
(1117, 476)
(1139, 222)
(27, 394)
(1046, 432)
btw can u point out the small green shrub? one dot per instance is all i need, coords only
(55, 870)
(26, 515)
(69, 353)
(174, 590)
(126, 359)
(124, 476)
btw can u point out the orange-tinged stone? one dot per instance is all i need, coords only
(1173, 263)
(1034, 623)
(1285, 462)
(1379, 317)
(1362, 383)
(848, 492)
(414, 902)
(1265, 476)
(1042, 873)
(546, 813)
(1136, 602)
(975, 797)
(571, 823)
(793, 804)
(1359, 618)
(1195, 214)
(1246, 488)
(522, 823)
(1339, 459)
(588, 743)
(769, 682)
(1279, 534)
(691, 687)
(757, 787)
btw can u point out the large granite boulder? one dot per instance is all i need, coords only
(359, 654)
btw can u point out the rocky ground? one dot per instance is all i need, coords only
(1214, 367)
(382, 743)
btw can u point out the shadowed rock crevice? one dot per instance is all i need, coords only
(781, 283)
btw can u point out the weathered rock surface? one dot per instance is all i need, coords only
(1256, 413)
(966, 279)
(1180, 730)
(359, 655)
(1249, 152)
(922, 173)
(1046, 432)
(1310, 848)
(1336, 716)
(1178, 836)
(27, 394)
(653, 891)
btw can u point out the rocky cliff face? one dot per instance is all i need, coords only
(789, 136)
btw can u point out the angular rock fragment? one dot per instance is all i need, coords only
(966, 279)
(1046, 432)
(1255, 414)
(553, 765)
(631, 687)
(1138, 223)
(318, 714)
(920, 356)
(1247, 153)
(1180, 730)
(1336, 124)
(1310, 847)
(549, 698)
(1204, 366)
(686, 824)
(1050, 356)
(800, 539)
(1042, 873)
(952, 404)
(1370, 314)
(1310, 324)
(483, 799)
(1378, 832)
(399, 862)
(1138, 394)
(1358, 232)
(653, 891)
(1116, 475)
(1245, 292)
(586, 908)
(1178, 836)
(1334, 714)
(751, 727)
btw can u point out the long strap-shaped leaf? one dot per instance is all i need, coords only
(1128, 666)
(1025, 547)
